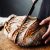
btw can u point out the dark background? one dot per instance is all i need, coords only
(18, 7)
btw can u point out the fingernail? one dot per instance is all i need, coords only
(42, 37)
(45, 42)
(39, 23)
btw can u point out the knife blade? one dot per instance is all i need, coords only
(32, 8)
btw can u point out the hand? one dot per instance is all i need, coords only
(46, 21)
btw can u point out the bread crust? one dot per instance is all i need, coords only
(24, 33)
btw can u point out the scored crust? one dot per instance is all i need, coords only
(12, 24)
(24, 33)
(31, 36)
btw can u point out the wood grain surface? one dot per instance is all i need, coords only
(6, 44)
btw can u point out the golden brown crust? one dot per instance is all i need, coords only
(24, 33)
(12, 25)
(32, 28)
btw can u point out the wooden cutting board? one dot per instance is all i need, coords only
(6, 44)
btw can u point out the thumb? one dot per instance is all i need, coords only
(45, 21)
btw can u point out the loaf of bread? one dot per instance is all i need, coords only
(24, 33)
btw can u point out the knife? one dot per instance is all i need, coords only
(32, 8)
